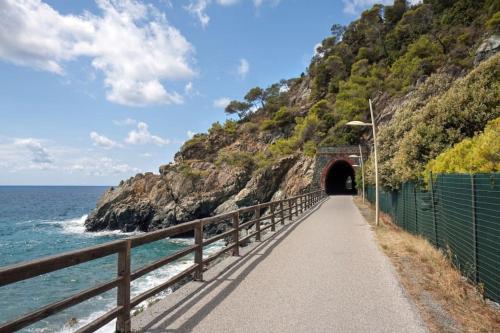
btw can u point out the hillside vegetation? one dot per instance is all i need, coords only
(387, 55)
(419, 64)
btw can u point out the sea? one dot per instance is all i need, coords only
(38, 221)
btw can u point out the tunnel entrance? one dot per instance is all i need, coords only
(340, 179)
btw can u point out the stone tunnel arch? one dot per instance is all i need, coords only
(339, 178)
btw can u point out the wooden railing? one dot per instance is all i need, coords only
(275, 211)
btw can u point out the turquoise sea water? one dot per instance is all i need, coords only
(36, 221)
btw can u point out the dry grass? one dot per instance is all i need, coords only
(446, 300)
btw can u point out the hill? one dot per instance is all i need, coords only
(431, 70)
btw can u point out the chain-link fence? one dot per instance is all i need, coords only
(458, 213)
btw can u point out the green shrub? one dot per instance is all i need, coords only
(310, 148)
(423, 128)
(472, 155)
(234, 158)
(422, 58)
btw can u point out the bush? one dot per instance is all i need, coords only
(422, 58)
(235, 158)
(478, 154)
(422, 129)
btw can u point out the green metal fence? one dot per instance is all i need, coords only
(458, 213)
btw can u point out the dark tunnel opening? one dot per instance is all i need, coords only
(340, 179)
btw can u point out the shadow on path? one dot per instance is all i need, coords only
(256, 255)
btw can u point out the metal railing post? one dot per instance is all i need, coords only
(123, 292)
(198, 253)
(236, 237)
(290, 211)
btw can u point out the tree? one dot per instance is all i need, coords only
(392, 14)
(338, 31)
(239, 108)
(255, 95)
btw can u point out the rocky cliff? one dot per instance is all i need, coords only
(212, 173)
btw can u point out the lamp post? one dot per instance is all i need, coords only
(362, 163)
(372, 124)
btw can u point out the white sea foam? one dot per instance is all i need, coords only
(77, 226)
(145, 283)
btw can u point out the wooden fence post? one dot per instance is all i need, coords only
(282, 214)
(236, 237)
(198, 253)
(474, 228)
(290, 209)
(123, 292)
(257, 224)
(273, 220)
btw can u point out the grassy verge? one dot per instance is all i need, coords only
(446, 300)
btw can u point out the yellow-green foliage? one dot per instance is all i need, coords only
(472, 155)
(493, 23)
(422, 57)
(188, 171)
(281, 118)
(421, 130)
(234, 158)
(310, 148)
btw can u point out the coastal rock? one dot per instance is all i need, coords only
(488, 47)
(191, 188)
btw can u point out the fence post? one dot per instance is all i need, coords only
(282, 214)
(198, 253)
(273, 220)
(257, 224)
(236, 237)
(123, 293)
(416, 210)
(290, 206)
(434, 222)
(301, 204)
(474, 228)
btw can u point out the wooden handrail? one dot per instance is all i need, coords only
(26, 270)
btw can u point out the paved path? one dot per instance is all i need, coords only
(322, 274)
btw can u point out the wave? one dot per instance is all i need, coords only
(143, 284)
(77, 226)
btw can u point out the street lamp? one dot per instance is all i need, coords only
(360, 159)
(372, 124)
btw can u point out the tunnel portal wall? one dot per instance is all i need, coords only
(327, 156)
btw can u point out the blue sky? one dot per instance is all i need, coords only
(92, 92)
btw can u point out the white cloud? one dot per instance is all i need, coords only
(188, 88)
(131, 43)
(190, 134)
(39, 154)
(227, 2)
(272, 3)
(101, 166)
(125, 122)
(143, 136)
(102, 141)
(357, 6)
(198, 8)
(221, 102)
(243, 68)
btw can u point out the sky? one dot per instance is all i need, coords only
(95, 91)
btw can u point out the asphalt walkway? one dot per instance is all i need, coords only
(323, 273)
